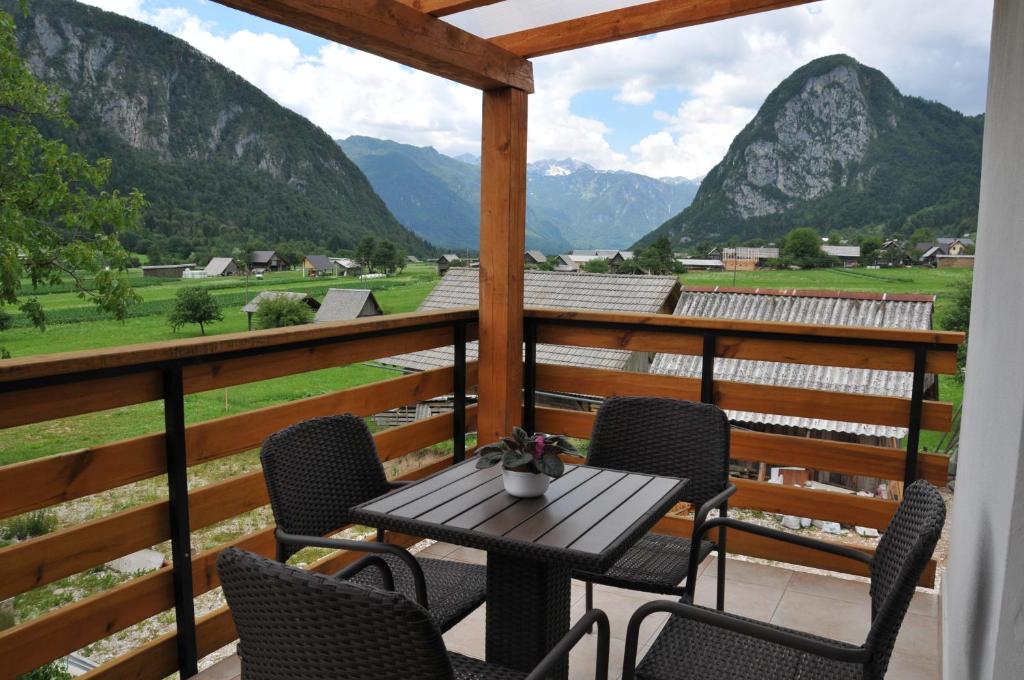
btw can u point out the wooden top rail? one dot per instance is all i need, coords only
(941, 340)
(198, 350)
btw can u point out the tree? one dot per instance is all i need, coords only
(658, 258)
(921, 235)
(57, 221)
(364, 252)
(194, 305)
(802, 247)
(598, 265)
(869, 248)
(385, 256)
(282, 311)
(957, 317)
(401, 260)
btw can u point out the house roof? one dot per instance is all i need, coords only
(949, 240)
(841, 251)
(344, 304)
(216, 266)
(832, 308)
(254, 304)
(448, 257)
(537, 255)
(320, 262)
(691, 262)
(566, 290)
(934, 250)
(345, 262)
(750, 253)
(259, 256)
(186, 265)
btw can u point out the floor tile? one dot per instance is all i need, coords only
(469, 555)
(746, 599)
(904, 666)
(919, 635)
(925, 604)
(229, 668)
(439, 549)
(843, 589)
(825, 616)
(750, 572)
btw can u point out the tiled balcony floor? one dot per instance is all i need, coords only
(833, 607)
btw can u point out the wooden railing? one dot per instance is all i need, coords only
(917, 352)
(50, 387)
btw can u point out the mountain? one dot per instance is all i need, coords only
(222, 165)
(837, 146)
(569, 203)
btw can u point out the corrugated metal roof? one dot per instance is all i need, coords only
(747, 253)
(603, 292)
(254, 304)
(344, 304)
(841, 251)
(816, 307)
(217, 265)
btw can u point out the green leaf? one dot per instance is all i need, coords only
(520, 434)
(551, 465)
(486, 462)
(515, 459)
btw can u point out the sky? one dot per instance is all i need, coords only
(666, 105)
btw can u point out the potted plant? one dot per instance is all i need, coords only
(530, 461)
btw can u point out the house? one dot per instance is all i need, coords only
(445, 262)
(412, 259)
(267, 261)
(954, 261)
(601, 292)
(345, 266)
(566, 263)
(317, 265)
(929, 257)
(345, 304)
(616, 260)
(701, 264)
(535, 257)
(948, 245)
(221, 266)
(748, 258)
(253, 305)
(893, 253)
(828, 308)
(166, 271)
(849, 256)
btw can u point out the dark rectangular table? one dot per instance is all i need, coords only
(587, 519)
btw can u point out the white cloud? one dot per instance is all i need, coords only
(719, 73)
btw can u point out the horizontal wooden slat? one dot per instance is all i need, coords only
(630, 22)
(46, 365)
(210, 375)
(738, 396)
(398, 441)
(440, 8)
(37, 404)
(55, 479)
(636, 340)
(64, 630)
(740, 543)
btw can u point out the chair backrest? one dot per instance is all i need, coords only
(900, 558)
(298, 624)
(317, 470)
(664, 437)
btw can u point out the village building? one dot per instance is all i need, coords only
(345, 304)
(694, 264)
(445, 262)
(253, 305)
(948, 245)
(166, 271)
(221, 266)
(412, 259)
(534, 257)
(345, 266)
(267, 261)
(317, 265)
(954, 261)
(849, 256)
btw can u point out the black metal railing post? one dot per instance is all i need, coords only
(530, 375)
(916, 407)
(459, 415)
(707, 370)
(177, 497)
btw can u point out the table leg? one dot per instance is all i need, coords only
(527, 611)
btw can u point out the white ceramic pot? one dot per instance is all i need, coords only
(525, 484)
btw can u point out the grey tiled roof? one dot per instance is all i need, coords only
(599, 292)
(825, 308)
(320, 262)
(344, 304)
(217, 265)
(254, 304)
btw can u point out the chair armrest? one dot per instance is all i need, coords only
(754, 629)
(565, 645)
(419, 581)
(720, 500)
(717, 502)
(370, 561)
(813, 543)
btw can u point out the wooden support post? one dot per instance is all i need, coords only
(502, 244)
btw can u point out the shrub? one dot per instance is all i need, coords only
(55, 670)
(29, 525)
(281, 311)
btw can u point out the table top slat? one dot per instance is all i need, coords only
(593, 513)
(532, 526)
(457, 506)
(448, 492)
(616, 523)
(405, 495)
(476, 516)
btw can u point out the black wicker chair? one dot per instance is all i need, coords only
(676, 439)
(316, 471)
(298, 624)
(699, 643)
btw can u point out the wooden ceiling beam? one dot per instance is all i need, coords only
(440, 8)
(396, 31)
(630, 22)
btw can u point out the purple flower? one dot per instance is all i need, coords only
(538, 446)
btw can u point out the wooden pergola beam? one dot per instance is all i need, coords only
(630, 22)
(396, 31)
(440, 8)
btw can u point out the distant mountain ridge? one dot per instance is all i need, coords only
(570, 204)
(221, 163)
(837, 146)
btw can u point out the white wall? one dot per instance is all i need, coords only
(983, 592)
